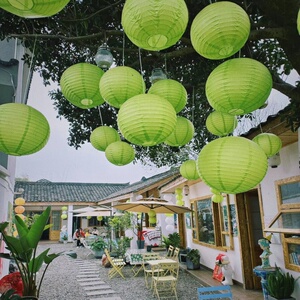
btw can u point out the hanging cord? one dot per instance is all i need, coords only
(100, 115)
(123, 50)
(30, 72)
(166, 70)
(193, 104)
(141, 66)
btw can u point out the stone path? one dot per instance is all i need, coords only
(89, 279)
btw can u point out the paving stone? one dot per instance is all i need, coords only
(98, 287)
(96, 293)
(88, 279)
(107, 298)
(88, 276)
(91, 283)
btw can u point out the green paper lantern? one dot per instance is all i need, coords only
(220, 124)
(88, 217)
(217, 198)
(23, 129)
(119, 153)
(119, 84)
(182, 134)
(80, 85)
(269, 142)
(238, 86)
(232, 164)
(179, 197)
(171, 90)
(220, 30)
(151, 213)
(179, 202)
(154, 25)
(103, 136)
(146, 120)
(99, 218)
(33, 8)
(64, 208)
(189, 170)
(152, 220)
(64, 216)
(298, 22)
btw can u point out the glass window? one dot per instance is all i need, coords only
(56, 220)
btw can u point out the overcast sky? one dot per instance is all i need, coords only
(59, 162)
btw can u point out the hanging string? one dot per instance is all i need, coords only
(193, 104)
(100, 115)
(30, 71)
(140, 60)
(123, 52)
(166, 71)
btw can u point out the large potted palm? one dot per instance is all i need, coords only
(23, 250)
(98, 246)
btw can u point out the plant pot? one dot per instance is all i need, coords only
(191, 266)
(140, 244)
(98, 253)
(149, 248)
(273, 298)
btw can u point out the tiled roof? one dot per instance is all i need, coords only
(144, 183)
(47, 191)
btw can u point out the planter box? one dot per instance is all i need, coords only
(98, 253)
(191, 266)
(272, 298)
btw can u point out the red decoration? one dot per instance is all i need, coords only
(11, 281)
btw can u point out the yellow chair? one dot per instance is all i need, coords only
(165, 283)
(148, 272)
(170, 251)
(117, 265)
(175, 254)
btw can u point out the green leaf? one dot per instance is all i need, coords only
(36, 263)
(49, 258)
(3, 226)
(6, 256)
(37, 228)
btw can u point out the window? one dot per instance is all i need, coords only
(211, 223)
(287, 221)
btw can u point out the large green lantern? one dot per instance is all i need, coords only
(23, 129)
(80, 85)
(146, 120)
(119, 84)
(119, 153)
(154, 25)
(182, 134)
(238, 86)
(221, 124)
(220, 30)
(33, 8)
(269, 142)
(232, 164)
(189, 170)
(298, 22)
(171, 90)
(102, 136)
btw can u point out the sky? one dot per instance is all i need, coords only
(58, 162)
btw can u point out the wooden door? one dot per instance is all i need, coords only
(55, 220)
(250, 230)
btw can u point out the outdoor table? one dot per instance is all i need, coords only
(135, 257)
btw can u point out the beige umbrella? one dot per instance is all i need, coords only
(160, 206)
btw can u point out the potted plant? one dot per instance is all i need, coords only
(98, 246)
(280, 285)
(173, 239)
(193, 259)
(65, 238)
(23, 250)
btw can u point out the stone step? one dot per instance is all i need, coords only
(98, 287)
(88, 279)
(90, 283)
(98, 293)
(87, 276)
(107, 298)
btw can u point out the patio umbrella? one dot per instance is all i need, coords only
(160, 206)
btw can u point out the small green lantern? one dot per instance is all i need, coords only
(146, 119)
(269, 142)
(182, 134)
(80, 85)
(103, 136)
(119, 153)
(119, 84)
(232, 164)
(217, 198)
(238, 86)
(171, 90)
(23, 129)
(220, 30)
(154, 25)
(220, 124)
(33, 8)
(189, 170)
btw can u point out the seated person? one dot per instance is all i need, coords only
(95, 231)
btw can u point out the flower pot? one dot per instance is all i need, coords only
(191, 266)
(98, 253)
(149, 248)
(140, 244)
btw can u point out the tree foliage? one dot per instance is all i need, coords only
(74, 34)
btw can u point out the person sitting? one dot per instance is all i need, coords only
(79, 235)
(95, 231)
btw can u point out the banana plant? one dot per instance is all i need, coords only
(23, 249)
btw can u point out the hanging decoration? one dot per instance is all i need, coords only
(298, 22)
(99, 218)
(217, 198)
(89, 217)
(238, 86)
(146, 120)
(64, 213)
(170, 223)
(119, 153)
(103, 57)
(103, 136)
(232, 164)
(179, 197)
(154, 25)
(220, 30)
(19, 201)
(33, 8)
(220, 124)
(171, 90)
(19, 209)
(119, 84)
(182, 134)
(80, 85)
(189, 170)
(157, 74)
(269, 142)
(152, 217)
(23, 129)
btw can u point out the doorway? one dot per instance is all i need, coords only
(249, 212)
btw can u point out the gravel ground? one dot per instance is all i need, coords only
(60, 280)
